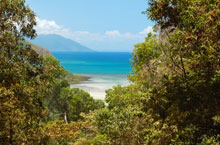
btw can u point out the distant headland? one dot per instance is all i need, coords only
(56, 43)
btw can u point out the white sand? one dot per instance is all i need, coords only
(98, 83)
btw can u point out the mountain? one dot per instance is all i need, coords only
(56, 43)
(39, 49)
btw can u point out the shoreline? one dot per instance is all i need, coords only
(76, 78)
(97, 84)
(82, 79)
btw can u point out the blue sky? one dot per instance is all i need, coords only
(102, 25)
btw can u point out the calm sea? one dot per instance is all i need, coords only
(95, 62)
(105, 69)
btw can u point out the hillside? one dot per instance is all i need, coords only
(72, 78)
(56, 43)
(39, 49)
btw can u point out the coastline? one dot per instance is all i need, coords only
(96, 72)
(76, 78)
(97, 84)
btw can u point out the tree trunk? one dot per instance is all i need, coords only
(65, 118)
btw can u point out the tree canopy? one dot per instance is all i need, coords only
(173, 98)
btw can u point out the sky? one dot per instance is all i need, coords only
(102, 25)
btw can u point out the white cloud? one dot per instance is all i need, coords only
(113, 38)
(47, 27)
(146, 31)
(45, 24)
(112, 33)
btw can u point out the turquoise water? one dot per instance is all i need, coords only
(95, 62)
(105, 69)
(98, 83)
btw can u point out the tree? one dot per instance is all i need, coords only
(22, 86)
(81, 102)
(66, 103)
(175, 93)
(193, 49)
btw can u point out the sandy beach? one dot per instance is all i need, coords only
(98, 83)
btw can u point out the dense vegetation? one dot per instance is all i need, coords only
(174, 97)
(34, 91)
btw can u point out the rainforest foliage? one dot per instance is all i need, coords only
(174, 97)
(175, 94)
(33, 89)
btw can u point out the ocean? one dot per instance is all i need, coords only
(105, 69)
(95, 62)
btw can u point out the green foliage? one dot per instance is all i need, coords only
(22, 86)
(192, 95)
(16, 19)
(52, 67)
(144, 52)
(61, 133)
(64, 102)
(40, 50)
(120, 126)
(31, 87)
(74, 79)
(144, 61)
(174, 98)
(81, 102)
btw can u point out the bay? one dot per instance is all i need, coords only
(95, 62)
(105, 69)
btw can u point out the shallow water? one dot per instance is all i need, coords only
(105, 69)
(98, 83)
